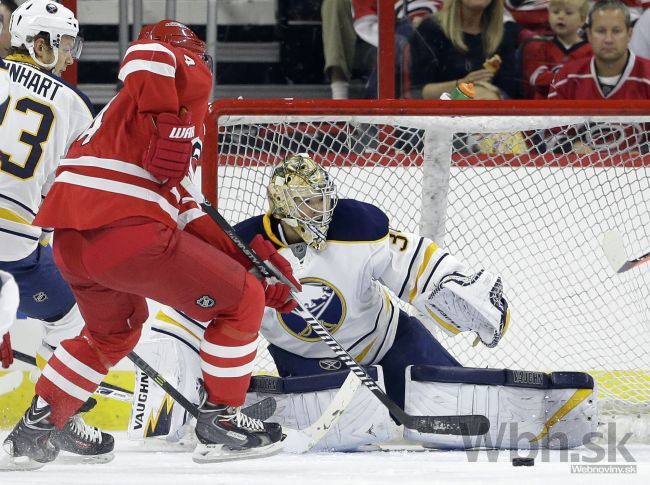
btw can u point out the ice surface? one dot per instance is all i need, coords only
(134, 466)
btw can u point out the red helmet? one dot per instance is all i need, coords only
(145, 32)
(178, 35)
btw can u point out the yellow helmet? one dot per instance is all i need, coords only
(302, 194)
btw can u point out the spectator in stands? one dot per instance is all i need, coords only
(542, 57)
(640, 43)
(459, 44)
(408, 15)
(613, 72)
(6, 9)
(530, 14)
(339, 41)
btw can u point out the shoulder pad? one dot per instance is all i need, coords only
(357, 221)
(248, 228)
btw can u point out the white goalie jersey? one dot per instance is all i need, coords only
(39, 118)
(345, 285)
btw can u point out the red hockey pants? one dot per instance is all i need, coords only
(112, 269)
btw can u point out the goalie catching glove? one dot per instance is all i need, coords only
(170, 148)
(278, 294)
(475, 303)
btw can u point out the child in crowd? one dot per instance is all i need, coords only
(542, 57)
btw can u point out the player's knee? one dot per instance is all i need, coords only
(113, 347)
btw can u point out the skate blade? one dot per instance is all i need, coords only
(217, 453)
(74, 459)
(18, 463)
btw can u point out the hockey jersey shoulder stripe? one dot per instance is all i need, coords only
(136, 65)
(149, 49)
(357, 221)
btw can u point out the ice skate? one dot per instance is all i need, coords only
(28, 446)
(80, 442)
(225, 433)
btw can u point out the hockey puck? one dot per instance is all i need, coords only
(523, 462)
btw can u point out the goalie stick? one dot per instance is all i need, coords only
(260, 410)
(474, 424)
(301, 441)
(615, 253)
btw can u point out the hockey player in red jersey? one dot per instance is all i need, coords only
(125, 229)
(613, 72)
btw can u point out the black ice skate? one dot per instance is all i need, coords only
(82, 443)
(28, 446)
(225, 433)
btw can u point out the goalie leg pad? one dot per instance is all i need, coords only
(154, 413)
(302, 400)
(526, 409)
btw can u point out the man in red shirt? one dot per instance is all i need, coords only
(613, 72)
(126, 229)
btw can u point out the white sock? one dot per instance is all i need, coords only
(340, 89)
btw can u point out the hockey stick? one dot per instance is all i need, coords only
(474, 424)
(260, 410)
(105, 389)
(615, 253)
(301, 441)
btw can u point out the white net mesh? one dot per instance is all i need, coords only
(529, 197)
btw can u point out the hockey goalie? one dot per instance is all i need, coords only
(365, 282)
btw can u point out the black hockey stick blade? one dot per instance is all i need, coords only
(463, 425)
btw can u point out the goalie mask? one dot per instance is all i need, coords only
(303, 195)
(36, 17)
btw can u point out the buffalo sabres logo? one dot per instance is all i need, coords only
(324, 301)
(51, 8)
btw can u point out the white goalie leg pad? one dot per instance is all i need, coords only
(154, 413)
(526, 409)
(302, 400)
(69, 326)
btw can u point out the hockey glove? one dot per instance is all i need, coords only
(6, 352)
(472, 302)
(277, 294)
(170, 148)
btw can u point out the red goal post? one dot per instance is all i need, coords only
(525, 188)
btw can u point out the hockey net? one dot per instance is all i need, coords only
(528, 195)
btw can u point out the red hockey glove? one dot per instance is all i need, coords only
(170, 149)
(277, 294)
(6, 352)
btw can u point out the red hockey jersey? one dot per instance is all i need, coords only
(101, 179)
(542, 57)
(578, 80)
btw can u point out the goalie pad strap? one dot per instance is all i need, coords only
(310, 383)
(502, 377)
